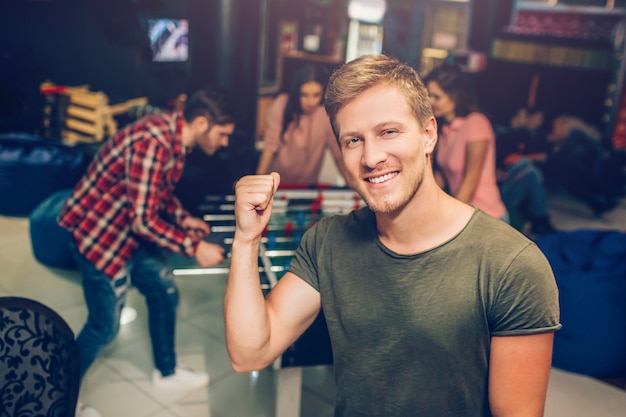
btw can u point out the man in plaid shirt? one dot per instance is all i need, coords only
(124, 217)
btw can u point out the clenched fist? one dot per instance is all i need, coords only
(253, 204)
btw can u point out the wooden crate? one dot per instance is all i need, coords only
(86, 116)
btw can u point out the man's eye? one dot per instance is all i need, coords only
(351, 142)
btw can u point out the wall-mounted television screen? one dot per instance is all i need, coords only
(169, 40)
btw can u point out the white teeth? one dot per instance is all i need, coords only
(384, 178)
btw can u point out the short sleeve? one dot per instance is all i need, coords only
(477, 127)
(526, 299)
(304, 262)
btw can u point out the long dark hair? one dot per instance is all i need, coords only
(458, 85)
(303, 75)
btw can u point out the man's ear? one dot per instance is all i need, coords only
(430, 135)
(201, 124)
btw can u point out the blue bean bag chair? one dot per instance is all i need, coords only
(590, 271)
(49, 241)
(32, 168)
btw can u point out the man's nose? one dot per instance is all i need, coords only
(373, 153)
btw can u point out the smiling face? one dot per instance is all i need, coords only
(310, 96)
(384, 148)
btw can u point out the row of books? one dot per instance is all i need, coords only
(555, 55)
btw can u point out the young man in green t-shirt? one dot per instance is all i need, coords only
(433, 307)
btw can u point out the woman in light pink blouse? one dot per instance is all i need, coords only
(465, 152)
(298, 130)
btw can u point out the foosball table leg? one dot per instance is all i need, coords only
(289, 392)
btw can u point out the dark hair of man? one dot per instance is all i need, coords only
(458, 85)
(303, 75)
(212, 103)
(368, 71)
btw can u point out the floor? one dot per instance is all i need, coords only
(118, 384)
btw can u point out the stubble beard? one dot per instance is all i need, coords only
(389, 204)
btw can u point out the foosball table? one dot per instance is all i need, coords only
(294, 210)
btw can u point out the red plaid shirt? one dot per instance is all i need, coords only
(127, 195)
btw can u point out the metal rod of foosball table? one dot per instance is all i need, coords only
(313, 194)
(218, 217)
(199, 271)
(296, 194)
(292, 211)
(264, 239)
(272, 227)
(220, 197)
(277, 253)
(217, 271)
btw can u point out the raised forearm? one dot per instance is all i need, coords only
(467, 189)
(246, 320)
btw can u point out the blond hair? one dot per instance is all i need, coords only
(353, 78)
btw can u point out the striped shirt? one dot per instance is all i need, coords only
(126, 196)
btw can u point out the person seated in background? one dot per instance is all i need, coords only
(528, 137)
(298, 131)
(465, 156)
(571, 155)
(520, 180)
(582, 164)
(124, 218)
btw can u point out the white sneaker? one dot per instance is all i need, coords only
(182, 378)
(83, 410)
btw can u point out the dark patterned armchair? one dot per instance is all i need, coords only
(39, 375)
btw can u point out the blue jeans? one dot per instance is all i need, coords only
(105, 299)
(524, 185)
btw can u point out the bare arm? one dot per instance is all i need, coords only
(519, 369)
(258, 330)
(265, 161)
(475, 159)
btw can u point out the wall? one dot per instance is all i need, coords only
(102, 44)
(575, 54)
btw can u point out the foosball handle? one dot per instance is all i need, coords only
(288, 229)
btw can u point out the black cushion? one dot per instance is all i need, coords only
(38, 361)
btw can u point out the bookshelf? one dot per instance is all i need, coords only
(554, 52)
(577, 52)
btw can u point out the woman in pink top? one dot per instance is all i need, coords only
(298, 130)
(465, 153)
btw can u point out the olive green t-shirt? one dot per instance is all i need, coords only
(411, 333)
